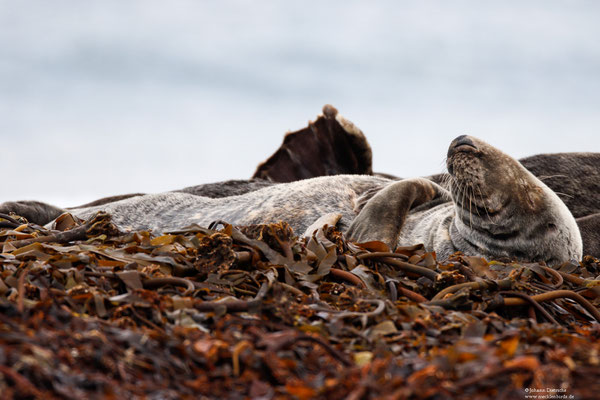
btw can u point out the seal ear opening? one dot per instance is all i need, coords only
(331, 145)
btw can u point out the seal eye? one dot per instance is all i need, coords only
(551, 226)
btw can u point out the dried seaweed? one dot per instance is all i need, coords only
(254, 312)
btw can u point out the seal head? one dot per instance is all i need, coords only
(502, 210)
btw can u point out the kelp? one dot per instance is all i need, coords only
(234, 312)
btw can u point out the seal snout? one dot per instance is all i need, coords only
(462, 143)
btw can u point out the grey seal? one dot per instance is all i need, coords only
(332, 145)
(495, 208)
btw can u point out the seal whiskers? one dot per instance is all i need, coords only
(470, 211)
(484, 206)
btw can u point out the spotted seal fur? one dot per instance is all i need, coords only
(495, 208)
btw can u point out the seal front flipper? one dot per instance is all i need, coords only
(331, 145)
(384, 214)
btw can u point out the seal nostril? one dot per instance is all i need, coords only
(463, 140)
(462, 143)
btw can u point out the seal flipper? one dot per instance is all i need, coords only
(384, 214)
(34, 211)
(331, 145)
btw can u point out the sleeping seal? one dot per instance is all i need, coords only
(495, 208)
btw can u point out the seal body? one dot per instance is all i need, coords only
(495, 208)
(299, 203)
(430, 226)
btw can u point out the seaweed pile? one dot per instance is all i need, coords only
(231, 312)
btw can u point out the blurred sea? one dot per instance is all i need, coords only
(107, 97)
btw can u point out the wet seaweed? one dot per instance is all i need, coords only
(87, 311)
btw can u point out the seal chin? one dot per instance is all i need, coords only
(503, 210)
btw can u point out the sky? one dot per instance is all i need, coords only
(99, 98)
